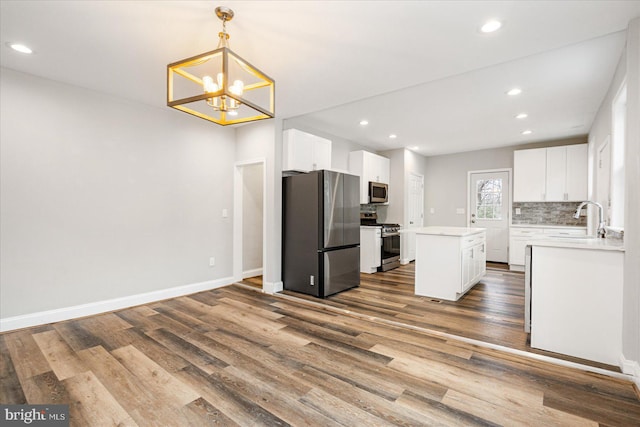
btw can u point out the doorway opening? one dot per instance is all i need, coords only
(249, 222)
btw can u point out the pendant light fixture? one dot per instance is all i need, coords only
(219, 85)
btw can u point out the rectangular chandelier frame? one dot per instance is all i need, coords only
(177, 70)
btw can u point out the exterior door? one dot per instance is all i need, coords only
(489, 208)
(415, 213)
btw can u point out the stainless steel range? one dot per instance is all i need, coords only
(390, 247)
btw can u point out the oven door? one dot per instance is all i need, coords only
(390, 251)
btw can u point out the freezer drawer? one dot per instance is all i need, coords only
(341, 270)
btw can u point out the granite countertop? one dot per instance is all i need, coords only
(577, 227)
(446, 231)
(579, 242)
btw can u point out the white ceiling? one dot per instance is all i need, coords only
(419, 69)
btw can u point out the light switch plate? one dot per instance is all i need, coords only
(518, 211)
(225, 213)
(432, 210)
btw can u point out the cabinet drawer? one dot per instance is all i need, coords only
(468, 241)
(521, 231)
(565, 232)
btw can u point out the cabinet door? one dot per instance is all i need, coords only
(383, 172)
(297, 150)
(577, 165)
(467, 268)
(529, 173)
(321, 153)
(556, 174)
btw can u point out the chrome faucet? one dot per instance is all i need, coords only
(601, 231)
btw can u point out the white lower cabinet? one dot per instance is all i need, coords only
(447, 266)
(577, 295)
(370, 249)
(519, 236)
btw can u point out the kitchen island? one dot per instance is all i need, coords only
(576, 297)
(449, 260)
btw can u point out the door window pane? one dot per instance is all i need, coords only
(489, 199)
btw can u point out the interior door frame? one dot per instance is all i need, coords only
(238, 217)
(510, 210)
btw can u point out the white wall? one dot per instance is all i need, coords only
(629, 68)
(252, 214)
(104, 198)
(446, 178)
(263, 140)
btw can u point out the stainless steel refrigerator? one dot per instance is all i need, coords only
(321, 232)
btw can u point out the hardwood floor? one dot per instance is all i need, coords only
(492, 311)
(234, 356)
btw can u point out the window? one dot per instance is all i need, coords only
(489, 199)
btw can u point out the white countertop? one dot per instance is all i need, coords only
(445, 231)
(577, 227)
(578, 242)
(371, 226)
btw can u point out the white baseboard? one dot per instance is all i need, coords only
(252, 273)
(66, 313)
(405, 261)
(516, 267)
(272, 287)
(632, 368)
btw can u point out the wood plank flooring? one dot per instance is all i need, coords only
(234, 356)
(492, 311)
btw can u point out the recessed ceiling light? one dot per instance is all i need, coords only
(527, 132)
(491, 26)
(514, 91)
(364, 122)
(393, 136)
(20, 48)
(522, 116)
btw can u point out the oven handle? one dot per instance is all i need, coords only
(390, 234)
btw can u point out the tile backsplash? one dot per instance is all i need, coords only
(547, 213)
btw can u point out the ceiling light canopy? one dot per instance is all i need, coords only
(219, 85)
(20, 48)
(491, 26)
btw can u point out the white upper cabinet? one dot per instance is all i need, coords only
(556, 174)
(577, 172)
(304, 152)
(529, 175)
(553, 174)
(370, 167)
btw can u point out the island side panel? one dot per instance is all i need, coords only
(438, 266)
(576, 300)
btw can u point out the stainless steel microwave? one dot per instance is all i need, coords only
(378, 192)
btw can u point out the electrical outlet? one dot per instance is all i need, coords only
(212, 261)
(225, 213)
